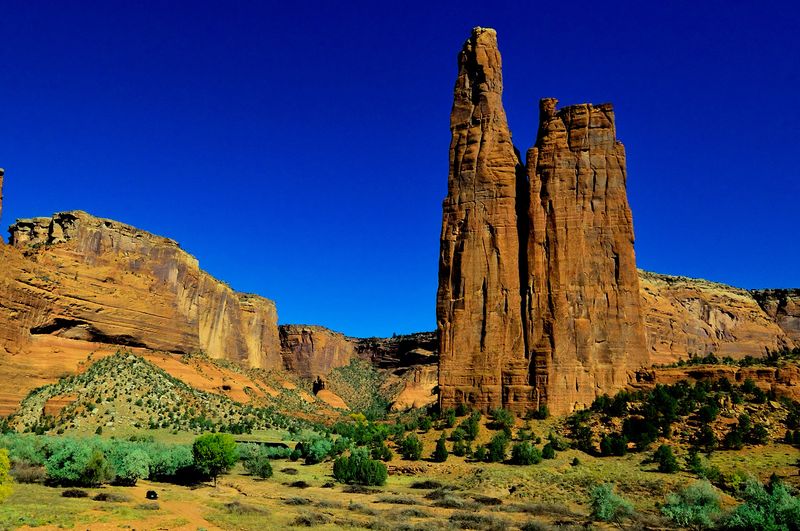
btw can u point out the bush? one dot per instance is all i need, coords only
(696, 506)
(257, 464)
(440, 454)
(169, 462)
(496, 449)
(129, 463)
(214, 453)
(548, 452)
(317, 450)
(76, 463)
(614, 444)
(358, 468)
(382, 452)
(471, 426)
(608, 506)
(449, 418)
(770, 507)
(5, 476)
(503, 419)
(24, 472)
(480, 453)
(525, 453)
(665, 459)
(74, 493)
(411, 448)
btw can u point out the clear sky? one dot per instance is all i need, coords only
(299, 149)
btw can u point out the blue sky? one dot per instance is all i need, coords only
(299, 150)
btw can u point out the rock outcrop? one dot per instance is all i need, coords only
(687, 317)
(312, 351)
(585, 323)
(782, 305)
(74, 284)
(538, 299)
(479, 303)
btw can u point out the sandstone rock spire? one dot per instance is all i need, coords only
(585, 323)
(478, 310)
(538, 300)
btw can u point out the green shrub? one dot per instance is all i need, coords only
(382, 452)
(440, 454)
(471, 426)
(770, 507)
(608, 506)
(665, 459)
(214, 453)
(480, 453)
(614, 444)
(317, 450)
(258, 464)
(524, 453)
(696, 506)
(76, 463)
(449, 418)
(496, 449)
(129, 463)
(548, 452)
(459, 449)
(503, 419)
(411, 448)
(359, 469)
(169, 462)
(425, 424)
(5, 476)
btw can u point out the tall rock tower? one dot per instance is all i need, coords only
(538, 300)
(585, 325)
(479, 308)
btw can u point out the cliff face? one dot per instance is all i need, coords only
(77, 277)
(686, 317)
(783, 305)
(538, 296)
(478, 303)
(585, 326)
(311, 351)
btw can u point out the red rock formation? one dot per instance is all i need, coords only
(691, 317)
(784, 381)
(478, 304)
(77, 278)
(585, 322)
(564, 235)
(783, 305)
(312, 351)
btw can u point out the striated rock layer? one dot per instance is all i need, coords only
(311, 351)
(74, 277)
(782, 305)
(691, 317)
(538, 299)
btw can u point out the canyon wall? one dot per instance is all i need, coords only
(782, 305)
(74, 284)
(691, 317)
(311, 351)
